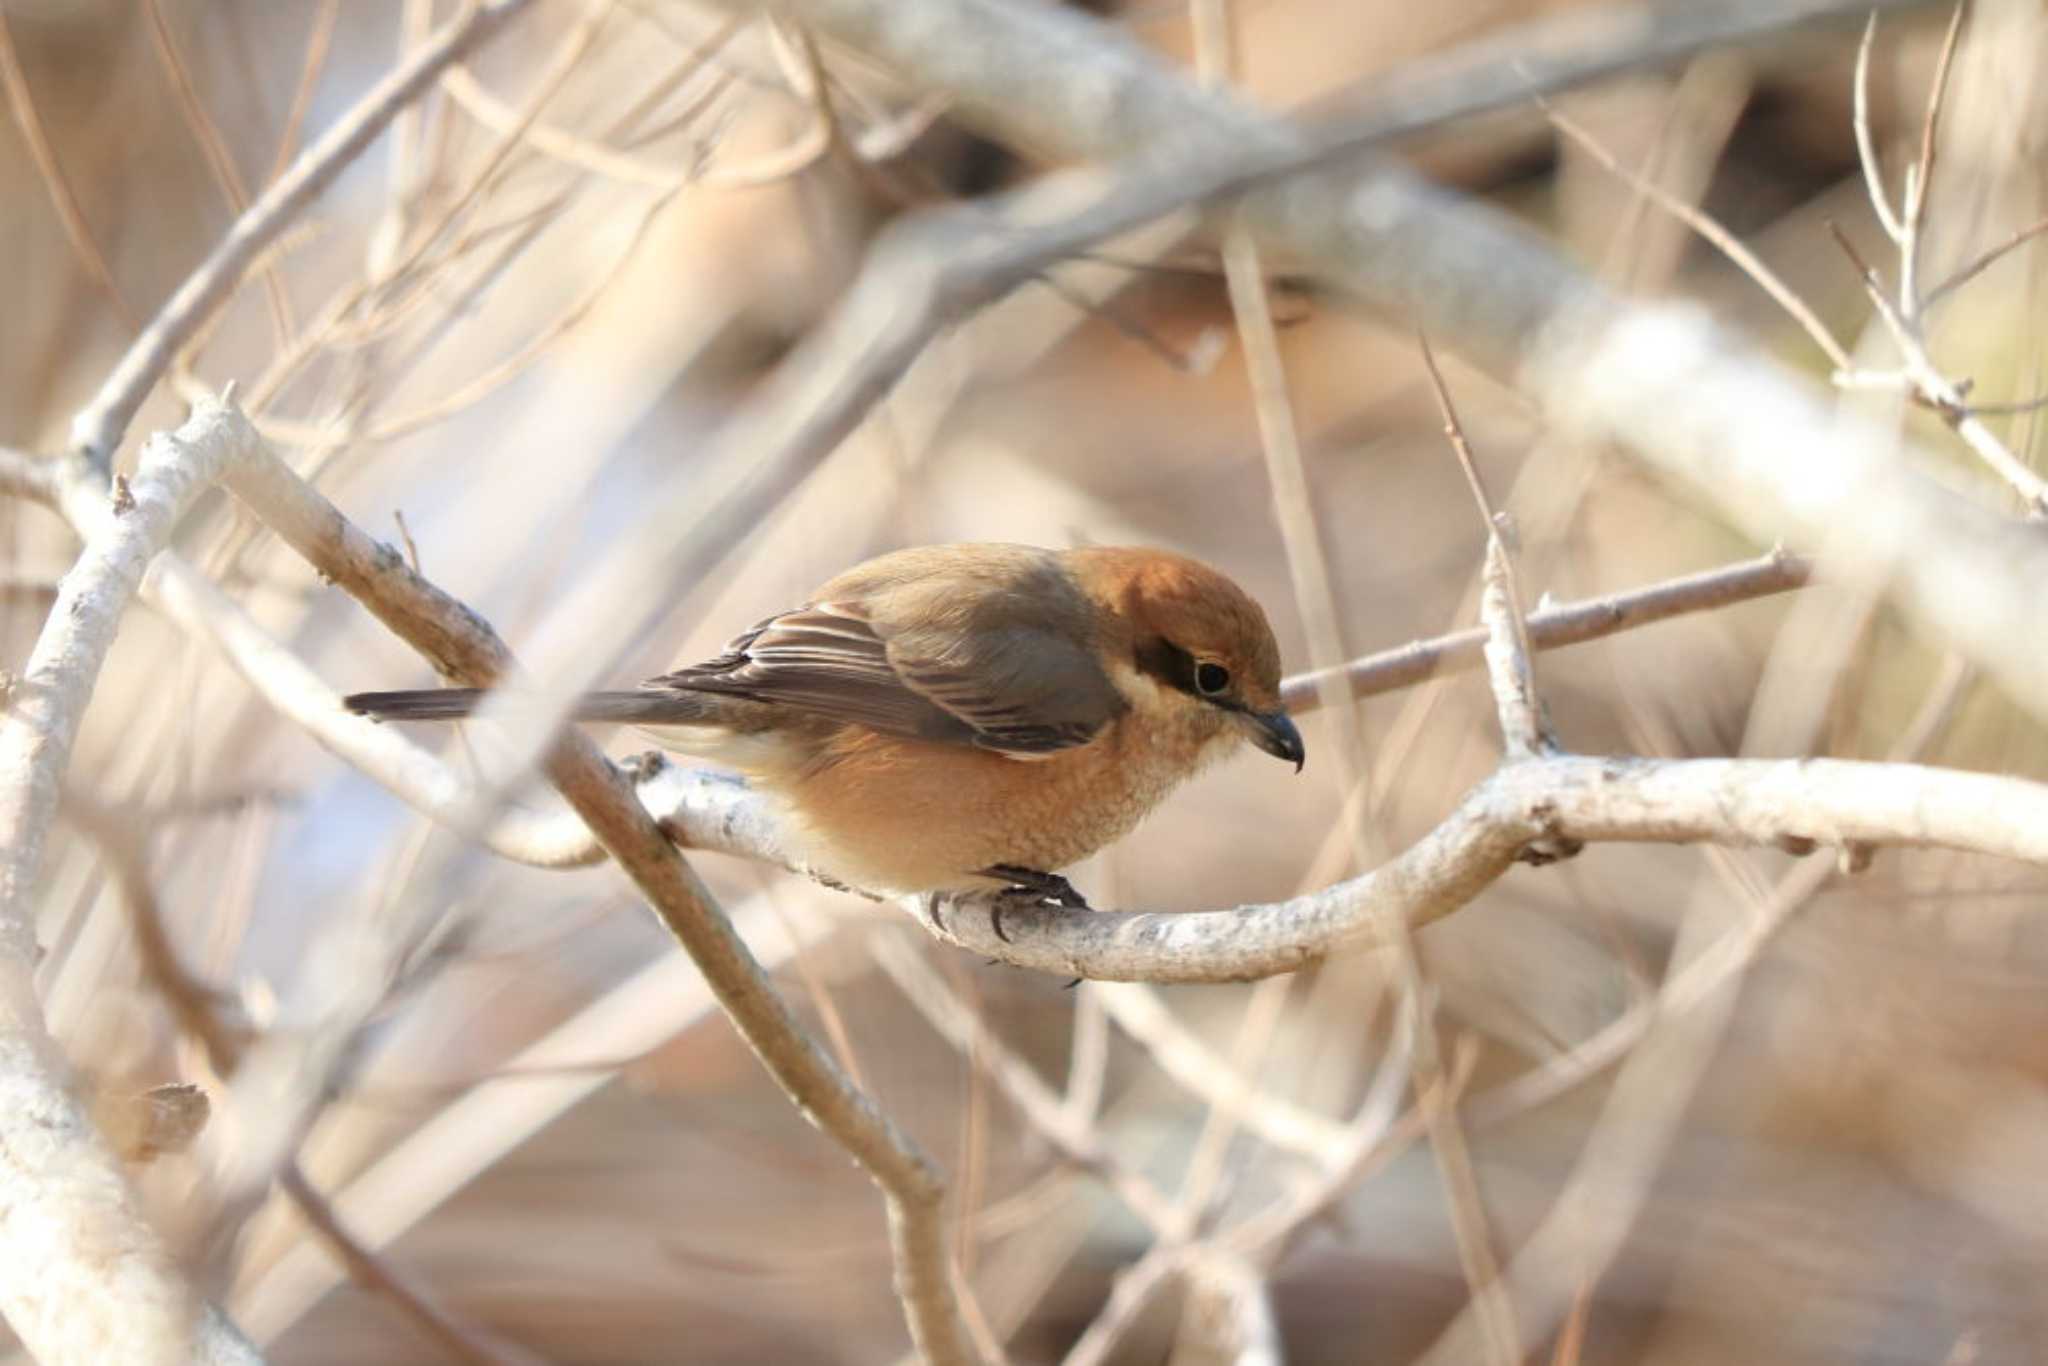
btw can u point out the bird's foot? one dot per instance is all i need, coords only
(642, 767)
(1028, 887)
(1050, 888)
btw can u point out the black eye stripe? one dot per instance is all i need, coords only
(1165, 661)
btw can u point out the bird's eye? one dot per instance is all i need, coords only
(1211, 678)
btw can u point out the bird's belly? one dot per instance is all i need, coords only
(897, 816)
(750, 752)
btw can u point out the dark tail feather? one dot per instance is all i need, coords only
(418, 704)
(645, 707)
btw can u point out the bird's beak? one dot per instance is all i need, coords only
(1274, 732)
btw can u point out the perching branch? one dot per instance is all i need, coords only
(1792, 803)
(466, 650)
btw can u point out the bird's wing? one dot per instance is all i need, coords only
(994, 679)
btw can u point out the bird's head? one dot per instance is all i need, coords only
(1198, 637)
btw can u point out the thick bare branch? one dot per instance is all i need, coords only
(1724, 801)
(547, 838)
(82, 1276)
(465, 648)
(1184, 144)
(1690, 398)
(49, 700)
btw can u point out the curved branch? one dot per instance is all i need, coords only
(1791, 803)
(83, 1278)
(1796, 804)
(465, 648)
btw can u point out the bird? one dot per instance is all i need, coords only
(966, 718)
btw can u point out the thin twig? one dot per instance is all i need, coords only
(1204, 1186)
(98, 428)
(1710, 229)
(1033, 1100)
(1087, 1055)
(1377, 1133)
(1866, 146)
(459, 1340)
(411, 265)
(484, 382)
(1476, 1255)
(1941, 393)
(26, 476)
(1227, 1314)
(1922, 176)
(2009, 409)
(394, 286)
(472, 1133)
(1129, 1295)
(573, 149)
(1705, 973)
(1500, 599)
(1666, 384)
(77, 231)
(319, 41)
(215, 149)
(1564, 624)
(198, 1011)
(1189, 1062)
(193, 1005)
(1977, 267)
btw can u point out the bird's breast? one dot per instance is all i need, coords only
(894, 815)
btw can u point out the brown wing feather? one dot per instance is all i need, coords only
(820, 660)
(1003, 666)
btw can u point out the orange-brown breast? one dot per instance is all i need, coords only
(894, 815)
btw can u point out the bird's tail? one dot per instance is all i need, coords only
(647, 707)
(417, 704)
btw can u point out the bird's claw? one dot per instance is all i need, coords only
(1048, 888)
(1028, 887)
(640, 767)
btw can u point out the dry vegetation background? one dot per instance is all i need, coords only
(534, 298)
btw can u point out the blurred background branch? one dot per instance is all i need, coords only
(642, 317)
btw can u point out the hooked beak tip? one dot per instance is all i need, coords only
(1275, 733)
